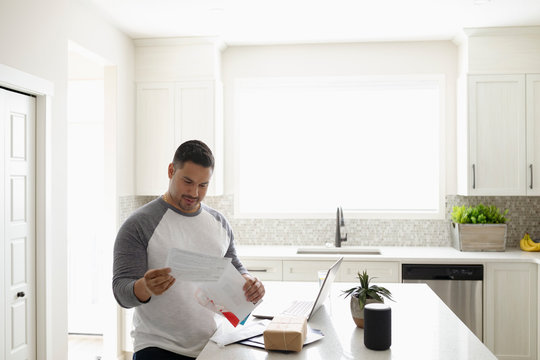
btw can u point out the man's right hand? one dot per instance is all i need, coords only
(154, 282)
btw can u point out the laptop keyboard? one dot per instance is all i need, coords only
(299, 308)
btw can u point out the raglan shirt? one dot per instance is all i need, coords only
(174, 320)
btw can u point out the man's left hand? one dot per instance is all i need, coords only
(253, 288)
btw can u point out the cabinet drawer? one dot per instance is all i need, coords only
(264, 269)
(380, 271)
(304, 270)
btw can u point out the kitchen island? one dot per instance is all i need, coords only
(423, 327)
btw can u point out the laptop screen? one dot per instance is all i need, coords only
(326, 286)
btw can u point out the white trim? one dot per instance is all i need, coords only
(21, 81)
(43, 90)
(502, 31)
(188, 40)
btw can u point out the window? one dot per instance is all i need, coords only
(370, 145)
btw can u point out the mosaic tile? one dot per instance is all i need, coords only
(523, 216)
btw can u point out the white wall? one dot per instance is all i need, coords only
(34, 39)
(352, 59)
(88, 29)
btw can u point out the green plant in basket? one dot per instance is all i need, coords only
(479, 214)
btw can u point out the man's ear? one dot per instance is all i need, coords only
(171, 170)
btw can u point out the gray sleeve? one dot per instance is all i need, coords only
(130, 260)
(231, 253)
(129, 263)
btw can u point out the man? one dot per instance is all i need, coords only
(168, 321)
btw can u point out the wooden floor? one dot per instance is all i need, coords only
(85, 347)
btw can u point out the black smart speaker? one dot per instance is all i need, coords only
(377, 326)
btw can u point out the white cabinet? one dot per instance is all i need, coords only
(198, 115)
(154, 137)
(381, 272)
(533, 134)
(304, 270)
(497, 141)
(510, 320)
(307, 270)
(265, 269)
(502, 122)
(169, 113)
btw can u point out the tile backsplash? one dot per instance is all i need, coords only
(523, 215)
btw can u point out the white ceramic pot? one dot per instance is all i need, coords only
(357, 314)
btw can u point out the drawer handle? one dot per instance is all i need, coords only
(258, 270)
(531, 168)
(20, 294)
(473, 177)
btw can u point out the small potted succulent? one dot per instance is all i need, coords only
(365, 294)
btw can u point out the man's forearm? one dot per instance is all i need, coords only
(141, 291)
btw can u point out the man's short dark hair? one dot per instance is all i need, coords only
(195, 151)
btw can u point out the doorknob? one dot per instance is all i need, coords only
(20, 294)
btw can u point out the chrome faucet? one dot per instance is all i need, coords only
(341, 233)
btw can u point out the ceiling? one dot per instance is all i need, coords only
(240, 22)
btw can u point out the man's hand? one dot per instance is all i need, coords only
(154, 282)
(253, 288)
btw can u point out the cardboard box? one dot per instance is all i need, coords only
(286, 333)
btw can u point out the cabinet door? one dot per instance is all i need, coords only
(304, 270)
(497, 143)
(198, 116)
(381, 272)
(264, 269)
(154, 147)
(533, 134)
(511, 310)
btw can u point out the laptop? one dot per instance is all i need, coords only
(299, 307)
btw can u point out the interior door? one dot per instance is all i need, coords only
(18, 317)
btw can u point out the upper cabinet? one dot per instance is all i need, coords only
(497, 135)
(154, 137)
(499, 114)
(533, 133)
(502, 124)
(179, 98)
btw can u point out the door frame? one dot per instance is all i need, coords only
(17, 80)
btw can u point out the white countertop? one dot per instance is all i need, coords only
(423, 327)
(392, 253)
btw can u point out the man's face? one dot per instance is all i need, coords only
(188, 185)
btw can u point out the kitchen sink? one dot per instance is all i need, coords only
(351, 250)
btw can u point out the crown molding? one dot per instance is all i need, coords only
(502, 31)
(181, 41)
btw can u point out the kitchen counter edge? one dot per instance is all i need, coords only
(390, 253)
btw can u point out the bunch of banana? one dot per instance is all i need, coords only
(527, 244)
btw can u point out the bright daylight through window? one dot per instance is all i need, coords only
(371, 145)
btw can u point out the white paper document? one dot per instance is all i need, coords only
(226, 335)
(191, 266)
(221, 286)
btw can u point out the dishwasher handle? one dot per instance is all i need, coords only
(443, 277)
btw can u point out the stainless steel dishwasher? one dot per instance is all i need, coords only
(458, 286)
